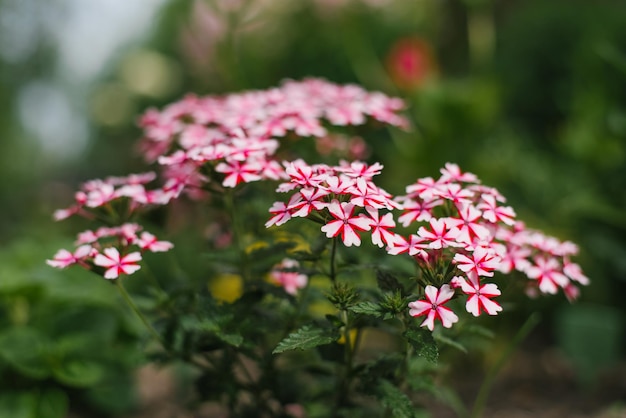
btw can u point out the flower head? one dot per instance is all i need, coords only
(433, 307)
(479, 296)
(117, 264)
(345, 223)
(285, 275)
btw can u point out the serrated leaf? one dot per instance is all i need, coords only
(367, 308)
(423, 343)
(307, 337)
(394, 400)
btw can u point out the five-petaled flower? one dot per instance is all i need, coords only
(479, 296)
(433, 307)
(482, 262)
(117, 264)
(345, 223)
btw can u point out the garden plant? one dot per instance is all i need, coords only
(319, 293)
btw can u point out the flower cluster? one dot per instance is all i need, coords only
(458, 231)
(480, 236)
(344, 198)
(115, 251)
(235, 135)
(210, 143)
(95, 196)
(463, 232)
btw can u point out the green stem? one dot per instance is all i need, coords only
(238, 231)
(485, 388)
(343, 388)
(333, 251)
(129, 301)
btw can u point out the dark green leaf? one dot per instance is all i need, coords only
(115, 394)
(213, 326)
(423, 343)
(367, 308)
(394, 400)
(307, 337)
(18, 404)
(52, 403)
(24, 349)
(384, 367)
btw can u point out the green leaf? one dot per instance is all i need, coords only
(78, 373)
(423, 343)
(368, 308)
(25, 350)
(17, 404)
(52, 403)
(385, 366)
(48, 403)
(115, 394)
(213, 326)
(232, 339)
(394, 400)
(307, 337)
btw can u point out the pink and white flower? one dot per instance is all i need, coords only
(64, 258)
(433, 307)
(117, 264)
(381, 226)
(439, 236)
(467, 227)
(345, 223)
(482, 262)
(548, 273)
(149, 242)
(479, 296)
(284, 275)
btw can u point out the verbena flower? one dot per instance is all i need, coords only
(286, 275)
(117, 264)
(116, 249)
(479, 295)
(458, 231)
(433, 307)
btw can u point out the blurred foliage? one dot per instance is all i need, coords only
(62, 336)
(527, 94)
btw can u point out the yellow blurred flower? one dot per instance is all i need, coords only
(226, 287)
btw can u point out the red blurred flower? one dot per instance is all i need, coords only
(411, 62)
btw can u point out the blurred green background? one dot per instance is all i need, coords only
(528, 95)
